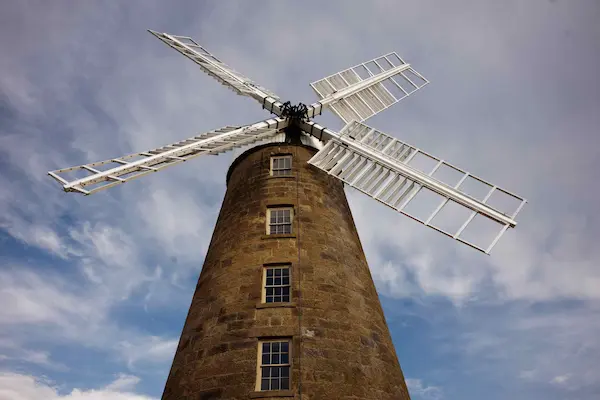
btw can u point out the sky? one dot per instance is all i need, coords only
(94, 290)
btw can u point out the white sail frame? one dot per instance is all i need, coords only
(213, 142)
(369, 160)
(353, 97)
(391, 179)
(220, 71)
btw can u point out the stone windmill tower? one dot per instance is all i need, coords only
(285, 306)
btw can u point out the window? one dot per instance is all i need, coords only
(274, 365)
(276, 284)
(281, 166)
(279, 220)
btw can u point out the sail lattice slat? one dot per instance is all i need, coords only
(104, 174)
(385, 169)
(380, 83)
(210, 64)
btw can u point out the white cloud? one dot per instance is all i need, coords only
(557, 345)
(123, 382)
(561, 379)
(179, 225)
(34, 299)
(24, 387)
(35, 234)
(542, 259)
(45, 306)
(148, 351)
(40, 358)
(419, 390)
(96, 98)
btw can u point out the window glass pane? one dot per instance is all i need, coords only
(281, 165)
(277, 288)
(275, 377)
(264, 384)
(275, 384)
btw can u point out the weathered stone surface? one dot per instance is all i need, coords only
(341, 347)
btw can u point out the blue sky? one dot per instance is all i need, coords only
(94, 290)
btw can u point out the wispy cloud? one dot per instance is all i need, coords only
(39, 358)
(148, 351)
(24, 387)
(419, 390)
(513, 99)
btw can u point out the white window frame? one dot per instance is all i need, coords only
(268, 219)
(286, 266)
(260, 365)
(282, 156)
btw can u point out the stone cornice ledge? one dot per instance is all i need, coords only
(279, 236)
(271, 393)
(276, 305)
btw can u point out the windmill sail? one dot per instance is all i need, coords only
(360, 92)
(104, 174)
(405, 178)
(419, 185)
(220, 71)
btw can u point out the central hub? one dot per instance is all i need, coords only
(295, 113)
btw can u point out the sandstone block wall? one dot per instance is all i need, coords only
(341, 347)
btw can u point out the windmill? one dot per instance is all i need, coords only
(265, 322)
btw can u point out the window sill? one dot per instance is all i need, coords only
(282, 176)
(279, 236)
(271, 393)
(276, 305)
